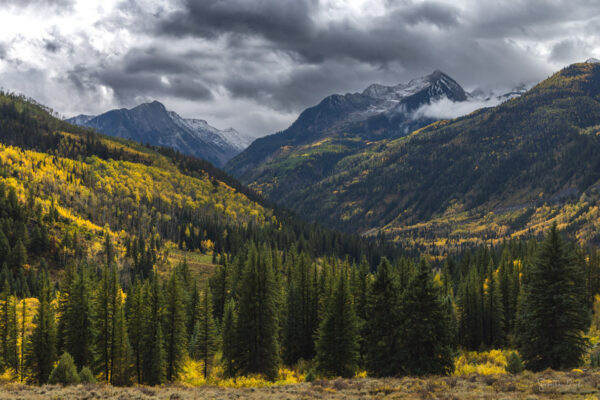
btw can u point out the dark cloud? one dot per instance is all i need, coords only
(292, 27)
(280, 20)
(51, 46)
(266, 60)
(569, 49)
(439, 14)
(128, 86)
(156, 61)
(416, 36)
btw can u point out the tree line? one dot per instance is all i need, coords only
(268, 308)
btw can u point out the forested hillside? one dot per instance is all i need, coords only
(87, 221)
(336, 128)
(149, 267)
(93, 185)
(510, 170)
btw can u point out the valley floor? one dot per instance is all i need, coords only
(544, 385)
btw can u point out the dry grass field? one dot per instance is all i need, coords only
(544, 385)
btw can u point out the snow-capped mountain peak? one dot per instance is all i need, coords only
(152, 123)
(437, 84)
(203, 130)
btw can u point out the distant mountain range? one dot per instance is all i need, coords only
(342, 125)
(153, 124)
(348, 122)
(495, 172)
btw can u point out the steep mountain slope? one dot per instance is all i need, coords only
(63, 188)
(152, 123)
(338, 126)
(502, 171)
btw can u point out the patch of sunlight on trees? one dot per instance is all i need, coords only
(482, 363)
(192, 375)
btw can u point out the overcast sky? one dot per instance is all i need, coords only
(255, 64)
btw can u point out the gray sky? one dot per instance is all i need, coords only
(255, 64)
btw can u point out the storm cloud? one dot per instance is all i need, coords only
(256, 64)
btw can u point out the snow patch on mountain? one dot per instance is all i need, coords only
(81, 119)
(201, 129)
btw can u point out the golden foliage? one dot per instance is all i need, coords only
(482, 363)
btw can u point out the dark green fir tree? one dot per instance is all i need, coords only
(383, 325)
(425, 342)
(552, 316)
(337, 345)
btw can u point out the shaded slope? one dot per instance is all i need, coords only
(540, 148)
(78, 183)
(378, 112)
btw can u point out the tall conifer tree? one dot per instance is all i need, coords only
(154, 357)
(175, 330)
(383, 325)
(136, 323)
(42, 343)
(337, 346)
(229, 338)
(77, 318)
(425, 343)
(302, 312)
(205, 332)
(553, 318)
(258, 316)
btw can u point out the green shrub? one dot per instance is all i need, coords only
(515, 364)
(65, 373)
(86, 376)
(310, 376)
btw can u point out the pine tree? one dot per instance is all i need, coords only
(103, 321)
(19, 254)
(7, 326)
(4, 248)
(76, 320)
(66, 284)
(383, 326)
(111, 341)
(452, 322)
(220, 289)
(257, 319)
(136, 320)
(120, 367)
(8, 329)
(361, 289)
(175, 330)
(154, 357)
(205, 344)
(302, 312)
(470, 304)
(447, 283)
(229, 338)
(494, 310)
(192, 306)
(552, 317)
(65, 371)
(23, 340)
(425, 343)
(337, 345)
(42, 343)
